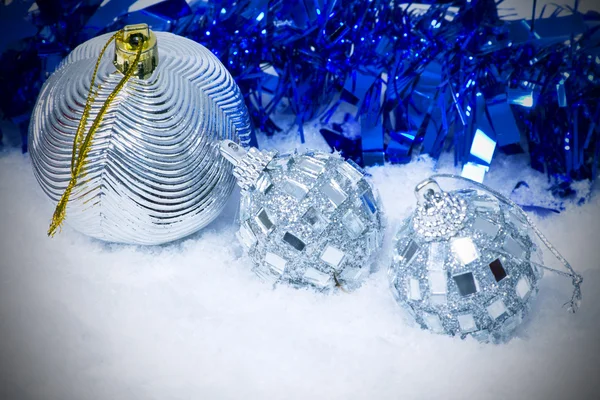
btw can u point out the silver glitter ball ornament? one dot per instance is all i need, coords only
(462, 264)
(309, 219)
(153, 173)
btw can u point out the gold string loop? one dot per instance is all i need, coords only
(81, 142)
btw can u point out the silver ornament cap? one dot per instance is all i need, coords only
(438, 213)
(306, 219)
(248, 164)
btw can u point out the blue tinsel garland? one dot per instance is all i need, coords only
(419, 78)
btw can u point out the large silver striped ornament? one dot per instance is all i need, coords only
(154, 173)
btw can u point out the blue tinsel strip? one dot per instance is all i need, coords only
(419, 78)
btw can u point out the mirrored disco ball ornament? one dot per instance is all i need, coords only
(465, 263)
(145, 168)
(309, 219)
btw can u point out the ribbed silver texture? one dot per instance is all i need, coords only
(154, 173)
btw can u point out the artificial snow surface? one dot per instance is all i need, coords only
(81, 319)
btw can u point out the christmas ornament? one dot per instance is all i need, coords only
(133, 156)
(308, 219)
(465, 263)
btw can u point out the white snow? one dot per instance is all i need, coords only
(81, 319)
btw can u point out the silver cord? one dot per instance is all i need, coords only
(577, 279)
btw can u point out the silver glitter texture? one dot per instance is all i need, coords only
(462, 264)
(312, 227)
(154, 173)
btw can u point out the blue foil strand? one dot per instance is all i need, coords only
(412, 72)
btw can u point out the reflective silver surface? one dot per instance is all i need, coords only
(154, 173)
(464, 265)
(308, 219)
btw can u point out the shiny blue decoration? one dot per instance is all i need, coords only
(414, 78)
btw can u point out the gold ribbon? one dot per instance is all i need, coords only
(81, 143)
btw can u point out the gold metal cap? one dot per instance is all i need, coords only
(126, 47)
